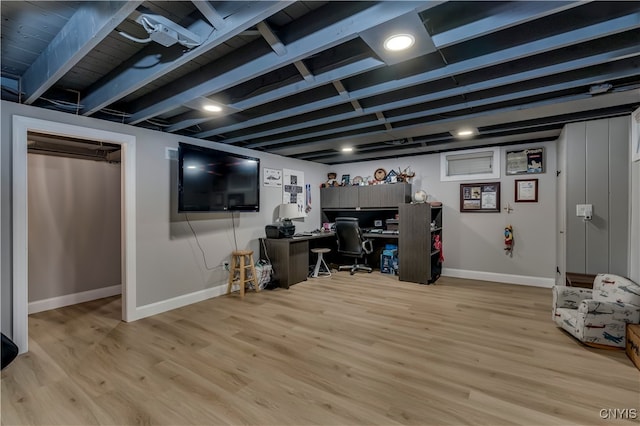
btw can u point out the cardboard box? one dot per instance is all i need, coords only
(633, 343)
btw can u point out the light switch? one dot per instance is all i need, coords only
(584, 210)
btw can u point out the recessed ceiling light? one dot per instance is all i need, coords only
(464, 132)
(347, 149)
(399, 42)
(212, 108)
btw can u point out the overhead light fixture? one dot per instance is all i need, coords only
(164, 31)
(212, 108)
(399, 42)
(347, 149)
(217, 106)
(464, 132)
(400, 39)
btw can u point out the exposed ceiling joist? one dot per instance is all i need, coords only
(305, 78)
(509, 15)
(87, 27)
(146, 67)
(267, 33)
(529, 49)
(363, 65)
(210, 13)
(322, 39)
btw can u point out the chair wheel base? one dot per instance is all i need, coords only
(355, 268)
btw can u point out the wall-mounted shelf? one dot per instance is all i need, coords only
(370, 197)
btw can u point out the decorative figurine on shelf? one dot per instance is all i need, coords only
(437, 245)
(419, 196)
(508, 240)
(379, 175)
(392, 177)
(331, 180)
(406, 175)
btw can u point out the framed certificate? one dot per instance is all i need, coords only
(480, 197)
(526, 191)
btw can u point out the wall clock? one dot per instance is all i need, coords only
(380, 174)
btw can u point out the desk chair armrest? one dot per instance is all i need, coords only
(367, 246)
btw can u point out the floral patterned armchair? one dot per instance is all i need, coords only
(598, 317)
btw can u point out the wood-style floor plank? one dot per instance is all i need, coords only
(345, 350)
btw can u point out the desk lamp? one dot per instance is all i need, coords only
(286, 212)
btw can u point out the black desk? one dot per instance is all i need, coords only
(290, 256)
(380, 235)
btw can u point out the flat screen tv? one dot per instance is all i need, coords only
(210, 180)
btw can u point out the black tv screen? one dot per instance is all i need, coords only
(210, 180)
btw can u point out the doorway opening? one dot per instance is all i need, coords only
(22, 127)
(74, 213)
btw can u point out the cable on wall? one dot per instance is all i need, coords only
(198, 243)
(233, 225)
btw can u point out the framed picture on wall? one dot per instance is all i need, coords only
(480, 197)
(525, 161)
(526, 190)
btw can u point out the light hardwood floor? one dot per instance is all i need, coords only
(346, 350)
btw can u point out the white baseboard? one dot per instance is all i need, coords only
(178, 302)
(73, 299)
(500, 278)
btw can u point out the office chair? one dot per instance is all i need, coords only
(351, 243)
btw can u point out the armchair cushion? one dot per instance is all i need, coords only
(612, 288)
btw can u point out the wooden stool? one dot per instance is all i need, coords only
(320, 262)
(241, 260)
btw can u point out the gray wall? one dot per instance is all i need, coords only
(597, 173)
(169, 262)
(74, 226)
(475, 241)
